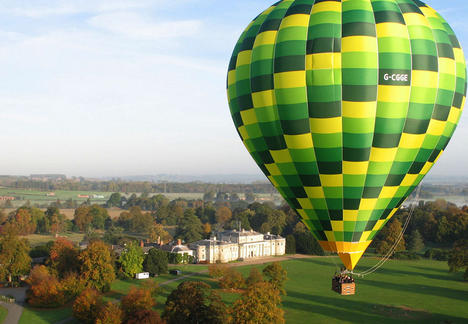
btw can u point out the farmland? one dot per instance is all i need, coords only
(401, 291)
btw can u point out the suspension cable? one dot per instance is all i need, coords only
(393, 248)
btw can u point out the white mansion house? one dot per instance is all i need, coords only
(237, 245)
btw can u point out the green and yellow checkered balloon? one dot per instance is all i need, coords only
(345, 106)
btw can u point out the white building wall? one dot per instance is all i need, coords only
(250, 246)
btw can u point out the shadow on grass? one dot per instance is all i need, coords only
(419, 289)
(429, 273)
(349, 310)
(47, 315)
(445, 276)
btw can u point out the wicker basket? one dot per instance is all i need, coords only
(343, 288)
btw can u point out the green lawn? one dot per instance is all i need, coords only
(401, 291)
(3, 313)
(45, 316)
(408, 291)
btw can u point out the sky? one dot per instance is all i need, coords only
(129, 87)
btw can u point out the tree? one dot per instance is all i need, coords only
(258, 304)
(232, 279)
(158, 231)
(54, 220)
(190, 228)
(388, 236)
(87, 306)
(141, 222)
(145, 317)
(250, 197)
(156, 262)
(415, 242)
(114, 200)
(242, 218)
(64, 257)
(97, 268)
(254, 277)
(207, 229)
(135, 220)
(458, 258)
(131, 260)
(24, 221)
(194, 302)
(14, 256)
(82, 218)
(99, 216)
(306, 243)
(277, 276)
(223, 215)
(45, 290)
(135, 301)
(209, 196)
(290, 244)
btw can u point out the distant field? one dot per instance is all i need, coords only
(400, 292)
(70, 213)
(39, 239)
(42, 197)
(37, 197)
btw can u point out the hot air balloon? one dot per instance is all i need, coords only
(346, 106)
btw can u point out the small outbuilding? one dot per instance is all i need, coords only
(142, 275)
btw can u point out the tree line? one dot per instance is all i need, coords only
(438, 224)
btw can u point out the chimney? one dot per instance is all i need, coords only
(159, 240)
(179, 242)
(142, 244)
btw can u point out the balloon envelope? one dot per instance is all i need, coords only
(345, 106)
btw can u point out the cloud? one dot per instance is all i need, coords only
(137, 26)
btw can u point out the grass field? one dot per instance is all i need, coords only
(3, 313)
(45, 316)
(401, 291)
(39, 239)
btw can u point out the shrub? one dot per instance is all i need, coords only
(254, 277)
(406, 255)
(437, 254)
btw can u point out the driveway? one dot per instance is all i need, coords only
(14, 310)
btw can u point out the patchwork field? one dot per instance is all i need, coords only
(401, 291)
